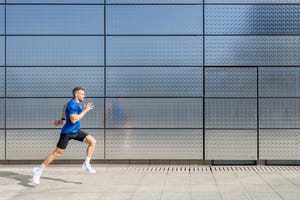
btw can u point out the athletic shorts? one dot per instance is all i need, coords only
(65, 138)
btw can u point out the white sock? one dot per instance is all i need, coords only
(42, 167)
(87, 160)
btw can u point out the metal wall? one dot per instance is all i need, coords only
(170, 79)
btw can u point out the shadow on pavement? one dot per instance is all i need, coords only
(26, 180)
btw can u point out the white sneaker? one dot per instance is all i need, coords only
(36, 175)
(88, 168)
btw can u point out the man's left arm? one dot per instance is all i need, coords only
(63, 116)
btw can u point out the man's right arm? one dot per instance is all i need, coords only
(76, 117)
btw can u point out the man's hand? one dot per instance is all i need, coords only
(59, 122)
(88, 107)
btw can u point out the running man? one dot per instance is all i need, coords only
(72, 112)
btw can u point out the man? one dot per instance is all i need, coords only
(72, 112)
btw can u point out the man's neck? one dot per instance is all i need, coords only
(76, 100)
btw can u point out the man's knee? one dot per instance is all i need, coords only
(90, 140)
(93, 141)
(58, 152)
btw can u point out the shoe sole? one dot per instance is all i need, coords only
(86, 169)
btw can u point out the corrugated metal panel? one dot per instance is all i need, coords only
(154, 1)
(55, 1)
(37, 144)
(252, 1)
(252, 50)
(279, 113)
(279, 144)
(2, 145)
(43, 51)
(154, 81)
(279, 82)
(154, 144)
(2, 18)
(41, 113)
(53, 81)
(56, 19)
(230, 144)
(153, 113)
(155, 51)
(154, 19)
(230, 113)
(230, 82)
(2, 112)
(2, 50)
(2, 82)
(252, 19)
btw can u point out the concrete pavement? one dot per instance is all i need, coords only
(152, 182)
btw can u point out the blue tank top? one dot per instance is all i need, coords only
(72, 108)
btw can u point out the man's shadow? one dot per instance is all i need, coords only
(26, 180)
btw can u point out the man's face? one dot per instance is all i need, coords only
(80, 95)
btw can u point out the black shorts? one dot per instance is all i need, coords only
(65, 138)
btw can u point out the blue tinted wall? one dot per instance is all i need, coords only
(170, 79)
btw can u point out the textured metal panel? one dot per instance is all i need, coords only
(230, 144)
(151, 51)
(2, 112)
(279, 82)
(230, 82)
(2, 41)
(252, 50)
(230, 113)
(2, 81)
(154, 144)
(154, 1)
(252, 19)
(279, 113)
(48, 81)
(154, 81)
(2, 19)
(57, 51)
(41, 113)
(252, 1)
(37, 144)
(279, 144)
(153, 113)
(67, 19)
(2, 145)
(154, 19)
(55, 1)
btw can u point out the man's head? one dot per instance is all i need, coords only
(78, 94)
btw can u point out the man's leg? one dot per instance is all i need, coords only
(37, 171)
(91, 145)
(52, 156)
(89, 152)
(60, 148)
